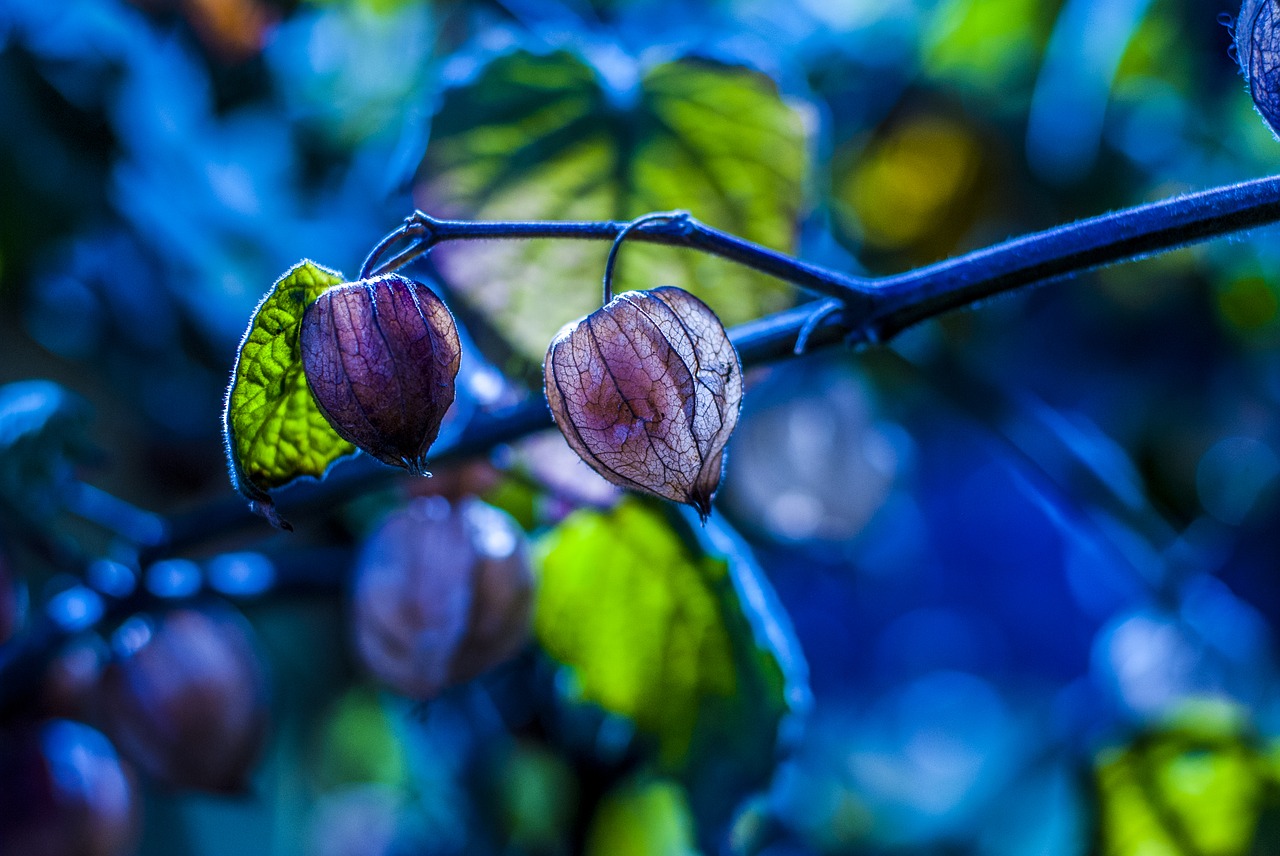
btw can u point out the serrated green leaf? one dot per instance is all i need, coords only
(274, 430)
(545, 137)
(683, 639)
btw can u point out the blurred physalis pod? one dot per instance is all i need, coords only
(381, 356)
(647, 390)
(65, 792)
(815, 457)
(442, 593)
(185, 697)
(1258, 51)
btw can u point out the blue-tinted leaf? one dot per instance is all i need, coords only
(43, 433)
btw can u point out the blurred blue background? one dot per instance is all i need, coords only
(1028, 550)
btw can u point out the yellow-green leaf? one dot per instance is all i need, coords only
(1199, 785)
(991, 46)
(274, 430)
(548, 137)
(676, 630)
(632, 612)
(643, 818)
(359, 743)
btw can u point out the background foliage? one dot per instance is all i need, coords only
(1027, 552)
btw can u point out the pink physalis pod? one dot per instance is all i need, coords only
(647, 390)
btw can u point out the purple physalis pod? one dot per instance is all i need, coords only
(442, 593)
(380, 357)
(647, 391)
(185, 697)
(1257, 32)
(65, 792)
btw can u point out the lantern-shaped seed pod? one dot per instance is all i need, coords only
(647, 391)
(381, 356)
(185, 697)
(443, 592)
(1258, 51)
(65, 793)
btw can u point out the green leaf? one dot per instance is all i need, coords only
(536, 796)
(681, 637)
(643, 818)
(359, 744)
(274, 430)
(547, 137)
(990, 46)
(1198, 785)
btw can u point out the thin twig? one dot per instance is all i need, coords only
(1131, 233)
(877, 309)
(422, 232)
(612, 260)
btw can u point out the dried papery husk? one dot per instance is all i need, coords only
(381, 356)
(1257, 34)
(647, 390)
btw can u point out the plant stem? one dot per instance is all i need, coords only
(637, 223)
(1131, 233)
(876, 309)
(421, 232)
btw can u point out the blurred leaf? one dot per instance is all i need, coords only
(986, 41)
(43, 433)
(1146, 56)
(684, 639)
(746, 736)
(274, 431)
(359, 744)
(633, 613)
(643, 818)
(379, 7)
(1195, 787)
(1248, 303)
(915, 189)
(362, 89)
(548, 137)
(988, 45)
(538, 795)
